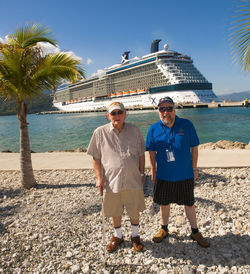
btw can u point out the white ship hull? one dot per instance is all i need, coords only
(140, 100)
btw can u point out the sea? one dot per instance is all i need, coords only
(59, 132)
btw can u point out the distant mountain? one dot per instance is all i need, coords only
(38, 104)
(236, 96)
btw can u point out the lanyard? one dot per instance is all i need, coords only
(170, 136)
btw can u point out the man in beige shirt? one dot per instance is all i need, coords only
(118, 150)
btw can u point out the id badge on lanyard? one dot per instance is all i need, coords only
(170, 155)
(169, 151)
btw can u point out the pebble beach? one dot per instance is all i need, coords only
(57, 227)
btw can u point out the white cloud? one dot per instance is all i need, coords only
(4, 40)
(99, 72)
(48, 48)
(89, 61)
(72, 54)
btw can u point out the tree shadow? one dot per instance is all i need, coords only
(10, 193)
(207, 178)
(89, 210)
(226, 250)
(6, 212)
(51, 186)
(3, 229)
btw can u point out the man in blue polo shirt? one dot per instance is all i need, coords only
(173, 143)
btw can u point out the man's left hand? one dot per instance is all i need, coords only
(143, 180)
(196, 173)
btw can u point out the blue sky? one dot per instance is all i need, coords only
(99, 31)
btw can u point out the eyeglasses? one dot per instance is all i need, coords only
(168, 109)
(114, 113)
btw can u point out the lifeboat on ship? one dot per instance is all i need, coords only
(141, 91)
(119, 93)
(112, 95)
(133, 92)
(126, 93)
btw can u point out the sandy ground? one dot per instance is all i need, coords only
(80, 160)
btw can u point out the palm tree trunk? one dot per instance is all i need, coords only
(28, 179)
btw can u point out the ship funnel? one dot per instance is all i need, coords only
(155, 46)
(125, 57)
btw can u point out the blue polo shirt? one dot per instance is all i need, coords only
(180, 139)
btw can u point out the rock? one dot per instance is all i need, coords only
(163, 271)
(223, 144)
(187, 269)
(75, 268)
(201, 268)
(34, 236)
(85, 269)
(80, 149)
(68, 254)
(180, 220)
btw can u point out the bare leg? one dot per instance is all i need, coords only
(134, 221)
(190, 213)
(117, 221)
(165, 213)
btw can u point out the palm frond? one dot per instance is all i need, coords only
(26, 71)
(30, 35)
(240, 38)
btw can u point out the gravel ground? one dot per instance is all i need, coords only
(57, 227)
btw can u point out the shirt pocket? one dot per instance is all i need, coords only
(133, 151)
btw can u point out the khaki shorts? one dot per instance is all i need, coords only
(132, 200)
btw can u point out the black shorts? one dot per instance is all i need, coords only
(180, 192)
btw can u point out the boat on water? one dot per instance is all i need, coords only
(139, 83)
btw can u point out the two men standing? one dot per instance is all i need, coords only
(118, 158)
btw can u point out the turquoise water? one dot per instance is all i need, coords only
(70, 131)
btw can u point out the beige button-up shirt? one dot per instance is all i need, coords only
(119, 153)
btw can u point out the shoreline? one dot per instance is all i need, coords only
(208, 158)
(221, 144)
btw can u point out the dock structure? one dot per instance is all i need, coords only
(244, 103)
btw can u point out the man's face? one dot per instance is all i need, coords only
(167, 114)
(117, 117)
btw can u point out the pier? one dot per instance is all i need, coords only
(244, 103)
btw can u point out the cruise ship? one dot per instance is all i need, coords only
(139, 83)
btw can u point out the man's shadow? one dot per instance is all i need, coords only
(226, 250)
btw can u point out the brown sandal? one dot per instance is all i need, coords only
(136, 242)
(113, 245)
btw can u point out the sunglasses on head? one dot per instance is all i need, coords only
(168, 109)
(114, 113)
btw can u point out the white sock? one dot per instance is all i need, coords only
(135, 231)
(118, 232)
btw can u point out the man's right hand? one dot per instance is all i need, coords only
(154, 177)
(100, 185)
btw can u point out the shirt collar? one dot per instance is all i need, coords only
(177, 119)
(112, 128)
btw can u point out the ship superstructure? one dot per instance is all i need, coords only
(139, 82)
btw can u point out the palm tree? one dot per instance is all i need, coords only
(26, 71)
(241, 37)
